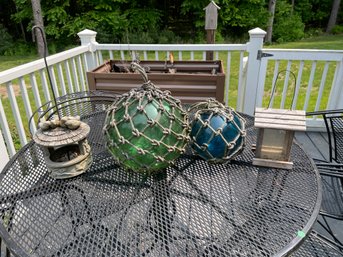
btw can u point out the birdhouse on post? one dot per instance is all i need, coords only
(275, 136)
(211, 19)
(211, 16)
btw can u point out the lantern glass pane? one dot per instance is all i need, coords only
(274, 144)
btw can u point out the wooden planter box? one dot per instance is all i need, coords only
(192, 81)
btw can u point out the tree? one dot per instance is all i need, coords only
(333, 15)
(38, 21)
(271, 10)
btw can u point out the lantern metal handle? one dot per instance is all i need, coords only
(274, 86)
(34, 28)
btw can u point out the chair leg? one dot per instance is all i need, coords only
(339, 246)
(328, 229)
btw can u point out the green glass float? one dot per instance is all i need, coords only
(217, 132)
(146, 129)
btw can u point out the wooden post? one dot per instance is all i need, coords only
(211, 18)
(210, 39)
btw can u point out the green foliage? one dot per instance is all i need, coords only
(143, 27)
(235, 17)
(160, 21)
(314, 13)
(6, 41)
(24, 11)
(9, 47)
(20, 48)
(243, 15)
(338, 29)
(313, 32)
(288, 26)
(151, 37)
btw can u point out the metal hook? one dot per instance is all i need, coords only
(46, 64)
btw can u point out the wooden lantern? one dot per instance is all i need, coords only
(275, 136)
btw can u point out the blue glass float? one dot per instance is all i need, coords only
(217, 132)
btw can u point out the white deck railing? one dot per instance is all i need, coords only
(248, 78)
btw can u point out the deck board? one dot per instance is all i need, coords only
(315, 144)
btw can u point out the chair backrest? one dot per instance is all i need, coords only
(334, 123)
(334, 126)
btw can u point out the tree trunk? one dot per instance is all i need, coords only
(271, 10)
(293, 5)
(333, 15)
(38, 21)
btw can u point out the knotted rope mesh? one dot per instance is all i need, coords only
(146, 129)
(217, 132)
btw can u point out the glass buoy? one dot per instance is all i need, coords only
(217, 132)
(146, 129)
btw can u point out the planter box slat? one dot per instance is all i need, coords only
(192, 82)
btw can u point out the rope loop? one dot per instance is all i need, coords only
(147, 85)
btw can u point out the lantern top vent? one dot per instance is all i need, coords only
(61, 136)
(294, 120)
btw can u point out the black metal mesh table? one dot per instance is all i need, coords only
(193, 209)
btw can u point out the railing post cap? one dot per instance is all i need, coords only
(257, 32)
(87, 37)
(87, 32)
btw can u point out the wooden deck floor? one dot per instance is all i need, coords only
(316, 145)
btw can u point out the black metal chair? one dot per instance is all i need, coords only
(319, 246)
(333, 120)
(331, 170)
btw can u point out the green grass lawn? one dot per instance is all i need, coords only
(7, 62)
(325, 42)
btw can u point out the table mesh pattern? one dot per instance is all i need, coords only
(192, 209)
(317, 247)
(337, 123)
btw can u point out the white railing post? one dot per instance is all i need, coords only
(4, 158)
(253, 66)
(336, 94)
(88, 38)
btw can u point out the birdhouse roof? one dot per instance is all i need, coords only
(280, 119)
(212, 3)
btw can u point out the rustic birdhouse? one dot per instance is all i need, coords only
(211, 15)
(275, 136)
